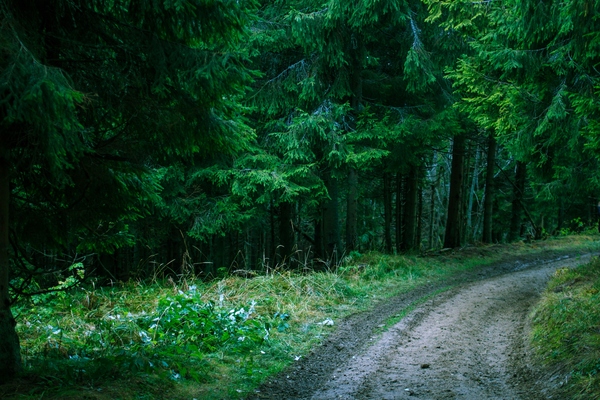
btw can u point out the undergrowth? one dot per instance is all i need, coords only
(566, 329)
(186, 339)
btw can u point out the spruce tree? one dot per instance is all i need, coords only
(380, 63)
(529, 78)
(95, 96)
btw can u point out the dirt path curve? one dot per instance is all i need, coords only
(467, 343)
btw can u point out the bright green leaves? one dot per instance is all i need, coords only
(309, 143)
(462, 16)
(186, 321)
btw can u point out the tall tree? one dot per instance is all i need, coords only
(387, 209)
(454, 225)
(518, 198)
(529, 77)
(10, 351)
(488, 207)
(96, 96)
(352, 211)
(410, 208)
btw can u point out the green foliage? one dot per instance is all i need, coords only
(347, 86)
(151, 332)
(198, 328)
(100, 98)
(519, 79)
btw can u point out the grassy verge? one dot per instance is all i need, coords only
(189, 339)
(566, 329)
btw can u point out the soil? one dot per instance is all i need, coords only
(468, 342)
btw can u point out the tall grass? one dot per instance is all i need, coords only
(184, 338)
(566, 329)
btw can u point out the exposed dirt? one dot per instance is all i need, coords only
(469, 342)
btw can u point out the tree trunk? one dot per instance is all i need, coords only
(488, 205)
(248, 247)
(356, 83)
(597, 216)
(220, 254)
(517, 207)
(387, 208)
(399, 212)
(431, 216)
(434, 179)
(453, 223)
(319, 245)
(331, 222)
(560, 218)
(10, 351)
(272, 248)
(351, 212)
(286, 233)
(410, 210)
(419, 233)
(472, 227)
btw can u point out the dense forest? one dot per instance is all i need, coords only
(213, 137)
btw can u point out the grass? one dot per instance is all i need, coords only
(566, 329)
(190, 339)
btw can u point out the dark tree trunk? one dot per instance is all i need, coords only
(319, 245)
(137, 250)
(387, 207)
(399, 212)
(488, 205)
(219, 256)
(272, 237)
(472, 208)
(560, 218)
(356, 103)
(247, 246)
(517, 206)
(431, 216)
(464, 213)
(10, 352)
(351, 212)
(418, 236)
(331, 221)
(410, 209)
(453, 223)
(286, 232)
(597, 216)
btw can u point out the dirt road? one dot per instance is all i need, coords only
(469, 342)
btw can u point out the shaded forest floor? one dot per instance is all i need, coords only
(188, 339)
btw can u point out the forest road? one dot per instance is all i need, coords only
(469, 342)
